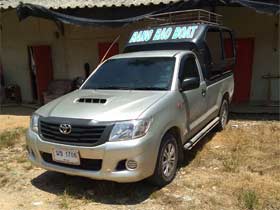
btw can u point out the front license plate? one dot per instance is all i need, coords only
(66, 156)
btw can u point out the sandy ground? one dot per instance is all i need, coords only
(236, 169)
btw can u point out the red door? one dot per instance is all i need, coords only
(43, 68)
(243, 68)
(104, 46)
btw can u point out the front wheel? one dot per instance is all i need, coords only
(223, 115)
(167, 161)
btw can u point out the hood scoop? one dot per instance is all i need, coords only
(91, 100)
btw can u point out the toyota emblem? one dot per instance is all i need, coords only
(65, 128)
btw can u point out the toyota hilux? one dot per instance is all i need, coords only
(138, 111)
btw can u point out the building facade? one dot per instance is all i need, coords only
(76, 45)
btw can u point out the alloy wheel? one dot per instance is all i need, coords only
(169, 160)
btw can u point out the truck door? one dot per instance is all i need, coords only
(195, 99)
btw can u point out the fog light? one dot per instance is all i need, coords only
(131, 164)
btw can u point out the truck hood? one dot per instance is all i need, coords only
(101, 105)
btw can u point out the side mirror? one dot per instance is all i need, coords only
(190, 83)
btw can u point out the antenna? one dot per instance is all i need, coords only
(116, 39)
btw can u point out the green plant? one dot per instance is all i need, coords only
(248, 199)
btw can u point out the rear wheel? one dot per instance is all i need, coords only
(223, 115)
(167, 161)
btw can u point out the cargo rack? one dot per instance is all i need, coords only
(198, 16)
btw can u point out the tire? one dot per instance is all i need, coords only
(166, 159)
(223, 115)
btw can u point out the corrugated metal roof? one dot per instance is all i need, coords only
(56, 4)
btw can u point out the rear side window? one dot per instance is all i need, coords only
(189, 68)
(228, 43)
(213, 40)
(220, 52)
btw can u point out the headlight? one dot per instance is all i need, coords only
(34, 122)
(128, 130)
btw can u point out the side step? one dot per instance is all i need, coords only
(194, 140)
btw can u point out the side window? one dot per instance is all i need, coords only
(228, 44)
(189, 68)
(220, 52)
(213, 40)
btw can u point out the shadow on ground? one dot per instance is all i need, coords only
(254, 117)
(105, 192)
(16, 110)
(189, 155)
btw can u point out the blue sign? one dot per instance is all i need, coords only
(163, 34)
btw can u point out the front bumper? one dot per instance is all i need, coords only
(142, 150)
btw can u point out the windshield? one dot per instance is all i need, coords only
(152, 73)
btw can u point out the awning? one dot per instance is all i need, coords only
(72, 4)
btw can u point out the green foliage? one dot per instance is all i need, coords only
(248, 199)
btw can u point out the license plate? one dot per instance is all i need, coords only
(66, 156)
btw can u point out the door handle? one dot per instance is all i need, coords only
(203, 92)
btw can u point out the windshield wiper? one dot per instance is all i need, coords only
(149, 88)
(127, 88)
(113, 88)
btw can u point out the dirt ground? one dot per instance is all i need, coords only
(236, 169)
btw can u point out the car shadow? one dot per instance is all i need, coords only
(255, 117)
(189, 155)
(16, 110)
(106, 192)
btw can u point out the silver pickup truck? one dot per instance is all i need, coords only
(137, 112)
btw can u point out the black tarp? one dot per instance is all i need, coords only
(268, 6)
(26, 10)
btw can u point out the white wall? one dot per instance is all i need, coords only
(16, 37)
(1, 47)
(69, 52)
(82, 45)
(247, 23)
(79, 45)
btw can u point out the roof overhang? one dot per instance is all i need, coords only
(64, 10)
(263, 6)
(71, 4)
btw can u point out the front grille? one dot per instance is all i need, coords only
(85, 164)
(81, 134)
